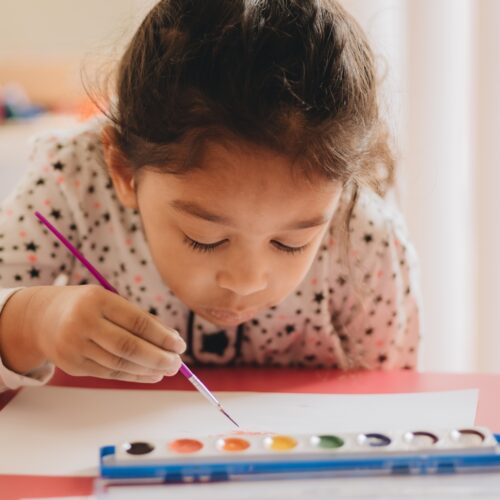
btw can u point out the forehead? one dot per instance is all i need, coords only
(255, 187)
(253, 173)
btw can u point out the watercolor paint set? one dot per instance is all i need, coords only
(254, 455)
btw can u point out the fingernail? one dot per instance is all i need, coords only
(175, 333)
(181, 346)
(172, 371)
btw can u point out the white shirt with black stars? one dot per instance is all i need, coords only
(363, 318)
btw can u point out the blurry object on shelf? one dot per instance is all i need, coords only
(15, 103)
(55, 83)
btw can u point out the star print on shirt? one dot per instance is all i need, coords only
(319, 297)
(215, 343)
(34, 272)
(368, 238)
(31, 246)
(58, 165)
(56, 214)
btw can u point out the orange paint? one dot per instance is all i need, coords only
(185, 445)
(233, 444)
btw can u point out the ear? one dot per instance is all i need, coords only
(118, 168)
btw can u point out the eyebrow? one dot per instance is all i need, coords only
(196, 210)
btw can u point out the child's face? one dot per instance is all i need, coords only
(237, 235)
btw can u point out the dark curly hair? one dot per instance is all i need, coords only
(295, 76)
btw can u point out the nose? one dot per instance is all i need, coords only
(243, 278)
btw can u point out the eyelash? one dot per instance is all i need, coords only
(202, 247)
(287, 249)
(210, 247)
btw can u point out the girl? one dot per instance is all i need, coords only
(233, 195)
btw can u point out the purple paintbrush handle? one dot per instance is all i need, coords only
(97, 275)
(185, 371)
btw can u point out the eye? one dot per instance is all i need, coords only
(202, 247)
(287, 249)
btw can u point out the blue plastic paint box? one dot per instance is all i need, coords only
(253, 456)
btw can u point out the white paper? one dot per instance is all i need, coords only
(58, 431)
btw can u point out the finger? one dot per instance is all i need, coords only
(94, 369)
(143, 325)
(123, 344)
(104, 358)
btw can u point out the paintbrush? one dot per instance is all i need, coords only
(197, 383)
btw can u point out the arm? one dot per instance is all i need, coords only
(29, 258)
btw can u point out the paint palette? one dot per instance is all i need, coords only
(188, 459)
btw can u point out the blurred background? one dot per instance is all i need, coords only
(440, 73)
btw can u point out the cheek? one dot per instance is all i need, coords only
(180, 268)
(292, 269)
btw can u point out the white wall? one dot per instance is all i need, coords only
(487, 188)
(43, 43)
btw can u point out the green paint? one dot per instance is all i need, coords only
(329, 441)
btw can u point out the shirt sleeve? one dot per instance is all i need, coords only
(29, 254)
(379, 322)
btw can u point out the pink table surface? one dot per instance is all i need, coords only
(268, 380)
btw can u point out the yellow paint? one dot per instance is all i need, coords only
(281, 443)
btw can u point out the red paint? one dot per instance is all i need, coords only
(185, 445)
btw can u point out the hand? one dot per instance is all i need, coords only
(89, 331)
